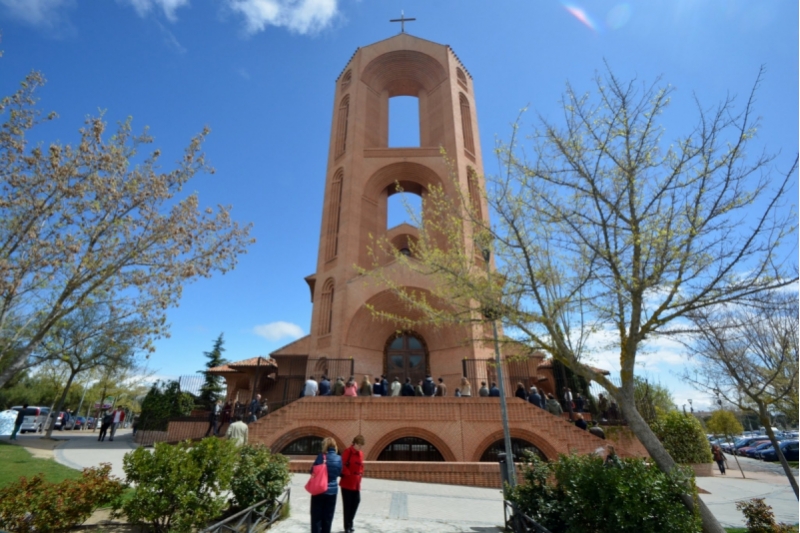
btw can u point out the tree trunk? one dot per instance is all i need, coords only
(659, 454)
(61, 401)
(730, 439)
(17, 363)
(764, 416)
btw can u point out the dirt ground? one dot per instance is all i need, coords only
(40, 448)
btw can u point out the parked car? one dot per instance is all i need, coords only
(755, 450)
(80, 422)
(788, 447)
(35, 418)
(742, 450)
(741, 443)
(90, 422)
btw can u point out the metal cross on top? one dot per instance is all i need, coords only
(402, 20)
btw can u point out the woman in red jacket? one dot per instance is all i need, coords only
(352, 470)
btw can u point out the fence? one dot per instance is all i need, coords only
(519, 522)
(257, 517)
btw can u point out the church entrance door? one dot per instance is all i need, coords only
(406, 358)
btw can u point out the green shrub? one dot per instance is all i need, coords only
(578, 493)
(760, 518)
(162, 402)
(260, 475)
(36, 505)
(179, 487)
(683, 437)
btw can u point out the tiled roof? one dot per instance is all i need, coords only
(252, 362)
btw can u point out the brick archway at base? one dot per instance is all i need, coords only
(389, 438)
(307, 431)
(516, 433)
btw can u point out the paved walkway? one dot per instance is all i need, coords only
(404, 507)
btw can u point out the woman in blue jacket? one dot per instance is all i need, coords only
(324, 505)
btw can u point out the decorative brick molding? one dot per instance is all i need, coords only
(466, 474)
(461, 428)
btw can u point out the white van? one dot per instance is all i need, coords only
(35, 418)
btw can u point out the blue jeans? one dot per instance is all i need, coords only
(16, 429)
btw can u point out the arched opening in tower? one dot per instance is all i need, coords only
(403, 208)
(404, 122)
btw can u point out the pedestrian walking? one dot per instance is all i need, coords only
(119, 418)
(352, 471)
(238, 431)
(105, 423)
(466, 388)
(323, 506)
(214, 418)
(720, 458)
(18, 421)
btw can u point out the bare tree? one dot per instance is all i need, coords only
(749, 354)
(92, 338)
(603, 227)
(96, 221)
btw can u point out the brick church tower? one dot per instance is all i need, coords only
(362, 173)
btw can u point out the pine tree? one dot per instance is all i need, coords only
(213, 387)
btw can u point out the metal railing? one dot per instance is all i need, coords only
(519, 522)
(255, 518)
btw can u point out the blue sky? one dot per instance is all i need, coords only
(261, 74)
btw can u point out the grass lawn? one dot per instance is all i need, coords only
(16, 461)
(793, 464)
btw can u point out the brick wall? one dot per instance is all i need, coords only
(461, 428)
(465, 474)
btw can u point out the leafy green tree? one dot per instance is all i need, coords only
(96, 220)
(602, 226)
(652, 399)
(164, 401)
(723, 422)
(213, 387)
(683, 437)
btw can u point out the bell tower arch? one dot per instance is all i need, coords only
(362, 171)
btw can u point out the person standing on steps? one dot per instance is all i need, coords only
(428, 386)
(385, 385)
(255, 409)
(323, 506)
(534, 398)
(338, 387)
(396, 386)
(466, 388)
(311, 388)
(553, 406)
(213, 418)
(483, 392)
(352, 471)
(494, 392)
(441, 388)
(407, 389)
(350, 388)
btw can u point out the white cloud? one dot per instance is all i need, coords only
(169, 7)
(44, 13)
(275, 331)
(301, 16)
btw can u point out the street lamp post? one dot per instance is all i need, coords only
(512, 480)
